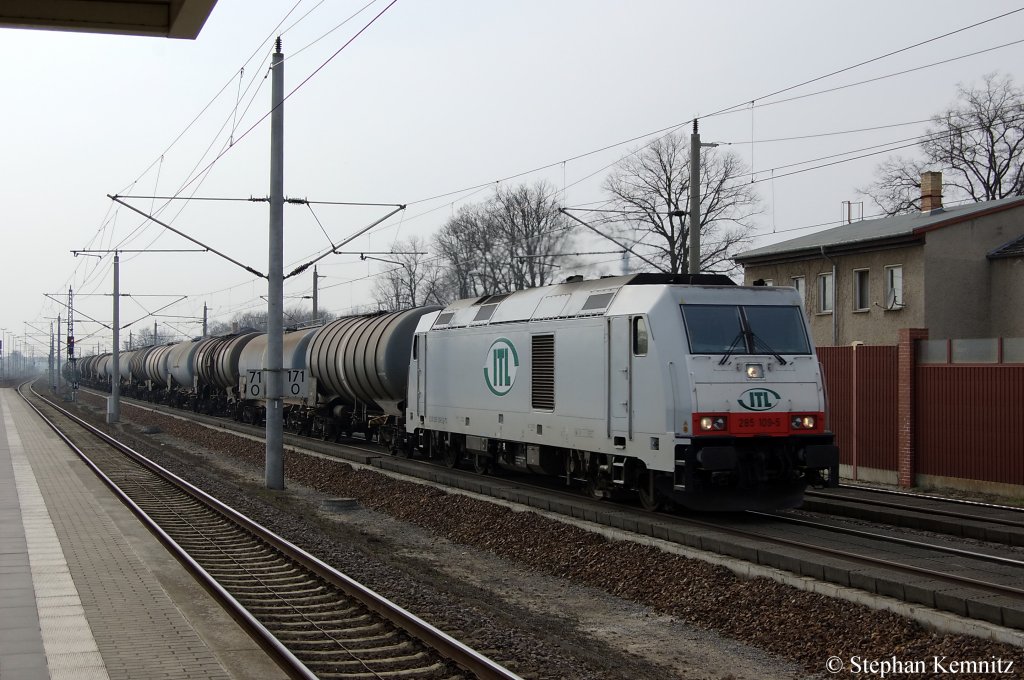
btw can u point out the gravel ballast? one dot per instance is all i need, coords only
(547, 599)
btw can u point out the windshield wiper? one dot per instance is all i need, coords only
(732, 347)
(758, 340)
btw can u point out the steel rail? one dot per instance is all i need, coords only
(877, 561)
(256, 630)
(985, 557)
(931, 511)
(436, 639)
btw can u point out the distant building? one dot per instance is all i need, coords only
(957, 271)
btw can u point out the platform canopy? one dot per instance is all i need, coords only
(162, 18)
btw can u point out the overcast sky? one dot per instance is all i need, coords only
(445, 97)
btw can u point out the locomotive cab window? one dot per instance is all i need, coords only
(745, 329)
(639, 337)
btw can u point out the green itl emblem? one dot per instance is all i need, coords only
(500, 366)
(760, 399)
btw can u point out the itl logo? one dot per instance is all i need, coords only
(760, 399)
(500, 366)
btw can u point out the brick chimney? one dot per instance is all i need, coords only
(931, 191)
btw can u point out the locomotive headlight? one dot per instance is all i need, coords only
(709, 423)
(755, 372)
(804, 422)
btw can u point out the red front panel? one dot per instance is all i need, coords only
(775, 424)
(759, 423)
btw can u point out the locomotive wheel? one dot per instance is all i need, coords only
(453, 453)
(481, 464)
(592, 489)
(595, 486)
(650, 498)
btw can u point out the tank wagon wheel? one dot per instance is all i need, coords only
(651, 499)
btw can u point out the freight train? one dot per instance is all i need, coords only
(683, 390)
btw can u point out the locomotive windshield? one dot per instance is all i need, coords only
(746, 329)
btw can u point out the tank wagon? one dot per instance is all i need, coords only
(251, 362)
(688, 390)
(683, 389)
(201, 375)
(347, 376)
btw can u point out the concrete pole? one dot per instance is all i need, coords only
(58, 353)
(204, 321)
(70, 345)
(316, 309)
(114, 403)
(154, 332)
(694, 258)
(53, 384)
(275, 280)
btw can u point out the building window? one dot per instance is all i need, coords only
(861, 299)
(825, 293)
(798, 283)
(894, 287)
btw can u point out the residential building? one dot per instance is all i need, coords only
(957, 271)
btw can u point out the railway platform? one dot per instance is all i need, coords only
(86, 592)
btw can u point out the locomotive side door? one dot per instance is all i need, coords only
(420, 357)
(619, 380)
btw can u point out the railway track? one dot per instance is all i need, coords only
(915, 569)
(967, 559)
(314, 621)
(956, 517)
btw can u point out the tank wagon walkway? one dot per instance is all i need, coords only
(85, 591)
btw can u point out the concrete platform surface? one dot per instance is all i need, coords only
(86, 592)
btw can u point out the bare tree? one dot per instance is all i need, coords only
(652, 186)
(456, 253)
(410, 278)
(465, 243)
(256, 320)
(977, 143)
(533, 232)
(508, 243)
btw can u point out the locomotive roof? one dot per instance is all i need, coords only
(563, 300)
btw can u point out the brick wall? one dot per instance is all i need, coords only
(905, 405)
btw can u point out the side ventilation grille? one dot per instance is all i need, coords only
(543, 379)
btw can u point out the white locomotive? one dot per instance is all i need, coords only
(684, 389)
